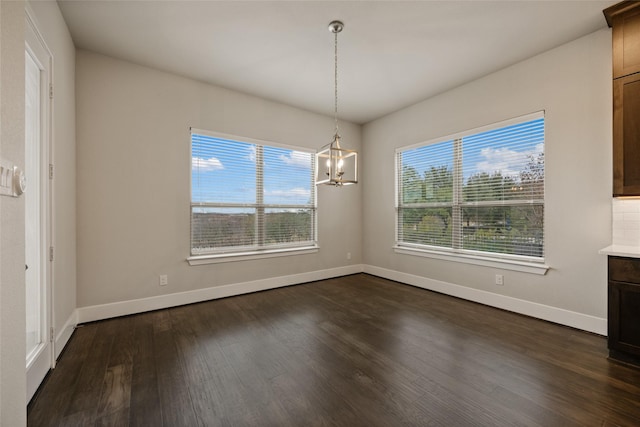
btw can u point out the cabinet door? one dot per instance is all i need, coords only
(626, 40)
(626, 136)
(624, 317)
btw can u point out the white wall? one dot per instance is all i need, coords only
(572, 83)
(54, 31)
(133, 178)
(12, 287)
(13, 392)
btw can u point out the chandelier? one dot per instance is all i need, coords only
(335, 165)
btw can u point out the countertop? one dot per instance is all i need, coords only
(620, 250)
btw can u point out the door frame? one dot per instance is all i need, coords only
(44, 358)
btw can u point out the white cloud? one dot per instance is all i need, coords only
(297, 158)
(505, 160)
(206, 165)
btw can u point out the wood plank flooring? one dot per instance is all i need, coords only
(352, 351)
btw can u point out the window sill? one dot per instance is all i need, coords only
(247, 256)
(504, 264)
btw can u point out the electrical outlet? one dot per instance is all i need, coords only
(499, 279)
(348, 255)
(164, 280)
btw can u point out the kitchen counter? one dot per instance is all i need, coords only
(620, 250)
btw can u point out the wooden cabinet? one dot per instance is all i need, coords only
(624, 18)
(626, 135)
(624, 310)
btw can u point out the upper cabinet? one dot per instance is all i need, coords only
(626, 136)
(624, 18)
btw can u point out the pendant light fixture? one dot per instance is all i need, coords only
(335, 165)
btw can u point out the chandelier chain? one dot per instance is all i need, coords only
(335, 72)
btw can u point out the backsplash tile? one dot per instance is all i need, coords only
(626, 222)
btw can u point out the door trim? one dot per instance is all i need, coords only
(36, 46)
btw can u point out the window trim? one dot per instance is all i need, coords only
(520, 263)
(250, 255)
(506, 263)
(230, 254)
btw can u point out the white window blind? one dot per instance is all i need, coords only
(479, 191)
(250, 196)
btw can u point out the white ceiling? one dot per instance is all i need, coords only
(391, 53)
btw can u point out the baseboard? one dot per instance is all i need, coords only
(552, 314)
(64, 334)
(123, 308)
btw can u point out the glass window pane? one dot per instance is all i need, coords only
(287, 177)
(426, 173)
(505, 163)
(288, 226)
(426, 226)
(222, 171)
(250, 196)
(215, 228)
(515, 230)
(491, 183)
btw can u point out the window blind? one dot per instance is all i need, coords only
(480, 191)
(248, 195)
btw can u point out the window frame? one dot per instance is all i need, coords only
(455, 253)
(259, 249)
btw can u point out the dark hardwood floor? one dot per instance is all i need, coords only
(352, 351)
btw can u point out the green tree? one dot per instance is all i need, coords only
(487, 187)
(438, 184)
(412, 185)
(429, 226)
(532, 217)
(483, 186)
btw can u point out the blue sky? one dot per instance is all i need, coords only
(505, 149)
(224, 171)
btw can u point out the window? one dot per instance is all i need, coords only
(477, 193)
(247, 196)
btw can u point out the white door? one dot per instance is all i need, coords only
(39, 357)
